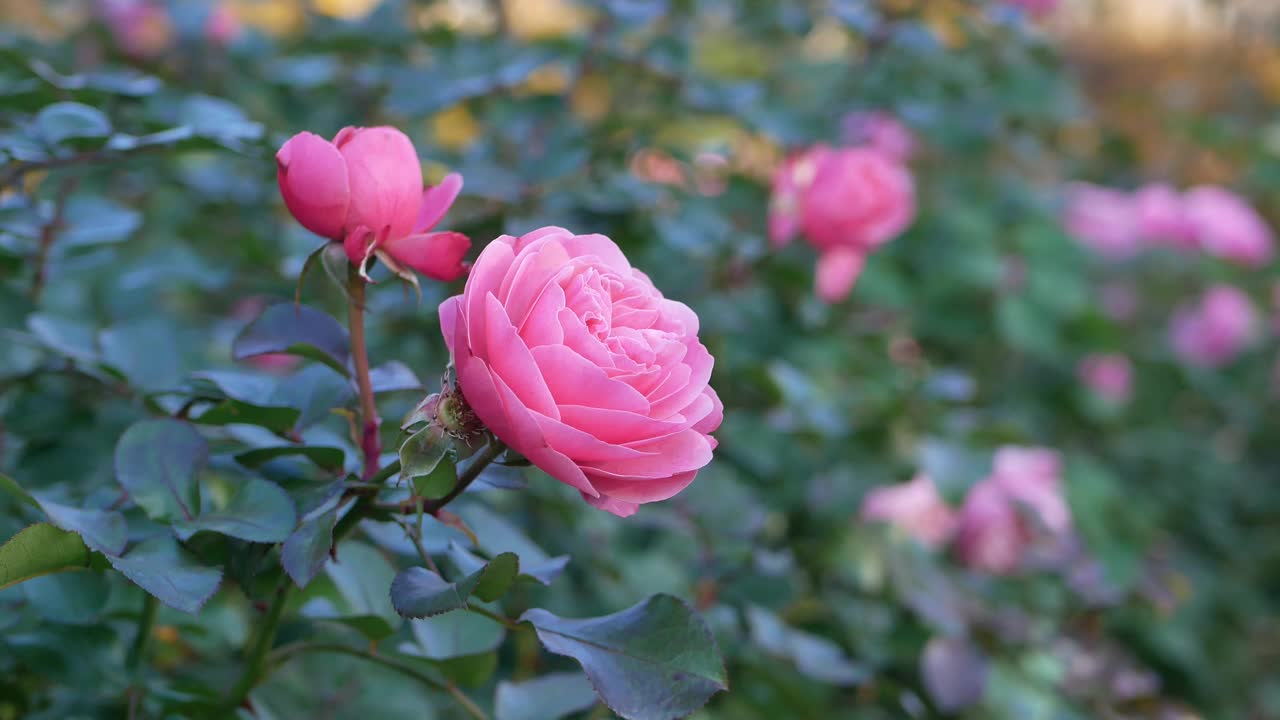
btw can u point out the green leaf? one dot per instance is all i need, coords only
(233, 412)
(496, 536)
(426, 460)
(305, 550)
(165, 570)
(814, 656)
(94, 220)
(156, 462)
(102, 530)
(297, 330)
(66, 337)
(11, 488)
(456, 635)
(73, 598)
(549, 697)
(656, 660)
(361, 575)
(394, 376)
(259, 511)
(38, 550)
(326, 458)
(252, 399)
(64, 121)
(418, 592)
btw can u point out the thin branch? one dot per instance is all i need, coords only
(468, 476)
(48, 234)
(369, 443)
(255, 664)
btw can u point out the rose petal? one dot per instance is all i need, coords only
(437, 255)
(608, 504)
(573, 380)
(511, 361)
(579, 446)
(644, 491)
(436, 201)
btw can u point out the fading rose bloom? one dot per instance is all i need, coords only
(1214, 331)
(991, 536)
(1226, 226)
(365, 191)
(573, 358)
(915, 508)
(222, 27)
(141, 28)
(882, 131)
(1110, 376)
(1162, 217)
(1033, 476)
(1103, 220)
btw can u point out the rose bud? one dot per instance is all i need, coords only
(365, 191)
(575, 360)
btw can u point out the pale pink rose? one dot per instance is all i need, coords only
(915, 508)
(880, 130)
(1110, 376)
(222, 26)
(1103, 220)
(1032, 477)
(141, 28)
(991, 535)
(859, 198)
(1228, 227)
(575, 360)
(365, 190)
(1035, 7)
(1162, 218)
(1214, 331)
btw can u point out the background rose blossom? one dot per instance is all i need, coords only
(880, 130)
(1213, 331)
(915, 508)
(1226, 226)
(1103, 220)
(1109, 375)
(575, 360)
(1162, 219)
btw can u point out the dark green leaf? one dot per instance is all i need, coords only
(813, 655)
(95, 220)
(75, 598)
(426, 460)
(496, 535)
(63, 121)
(162, 568)
(102, 530)
(297, 330)
(419, 592)
(456, 635)
(656, 660)
(549, 697)
(259, 511)
(392, 377)
(156, 462)
(305, 550)
(38, 550)
(361, 575)
(326, 458)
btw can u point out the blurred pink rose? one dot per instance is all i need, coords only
(1226, 226)
(222, 26)
(915, 508)
(846, 202)
(1162, 217)
(1214, 331)
(994, 528)
(141, 28)
(1108, 375)
(575, 360)
(991, 536)
(1033, 477)
(1035, 7)
(1103, 220)
(882, 131)
(365, 190)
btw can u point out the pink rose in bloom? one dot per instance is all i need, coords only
(846, 202)
(141, 28)
(1033, 477)
(1214, 331)
(1103, 220)
(1228, 227)
(1162, 217)
(1108, 375)
(991, 535)
(365, 191)
(915, 508)
(882, 131)
(575, 360)
(222, 26)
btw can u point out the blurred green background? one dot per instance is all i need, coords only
(141, 230)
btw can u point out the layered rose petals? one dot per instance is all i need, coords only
(575, 360)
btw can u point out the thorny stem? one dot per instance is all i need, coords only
(138, 652)
(360, 355)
